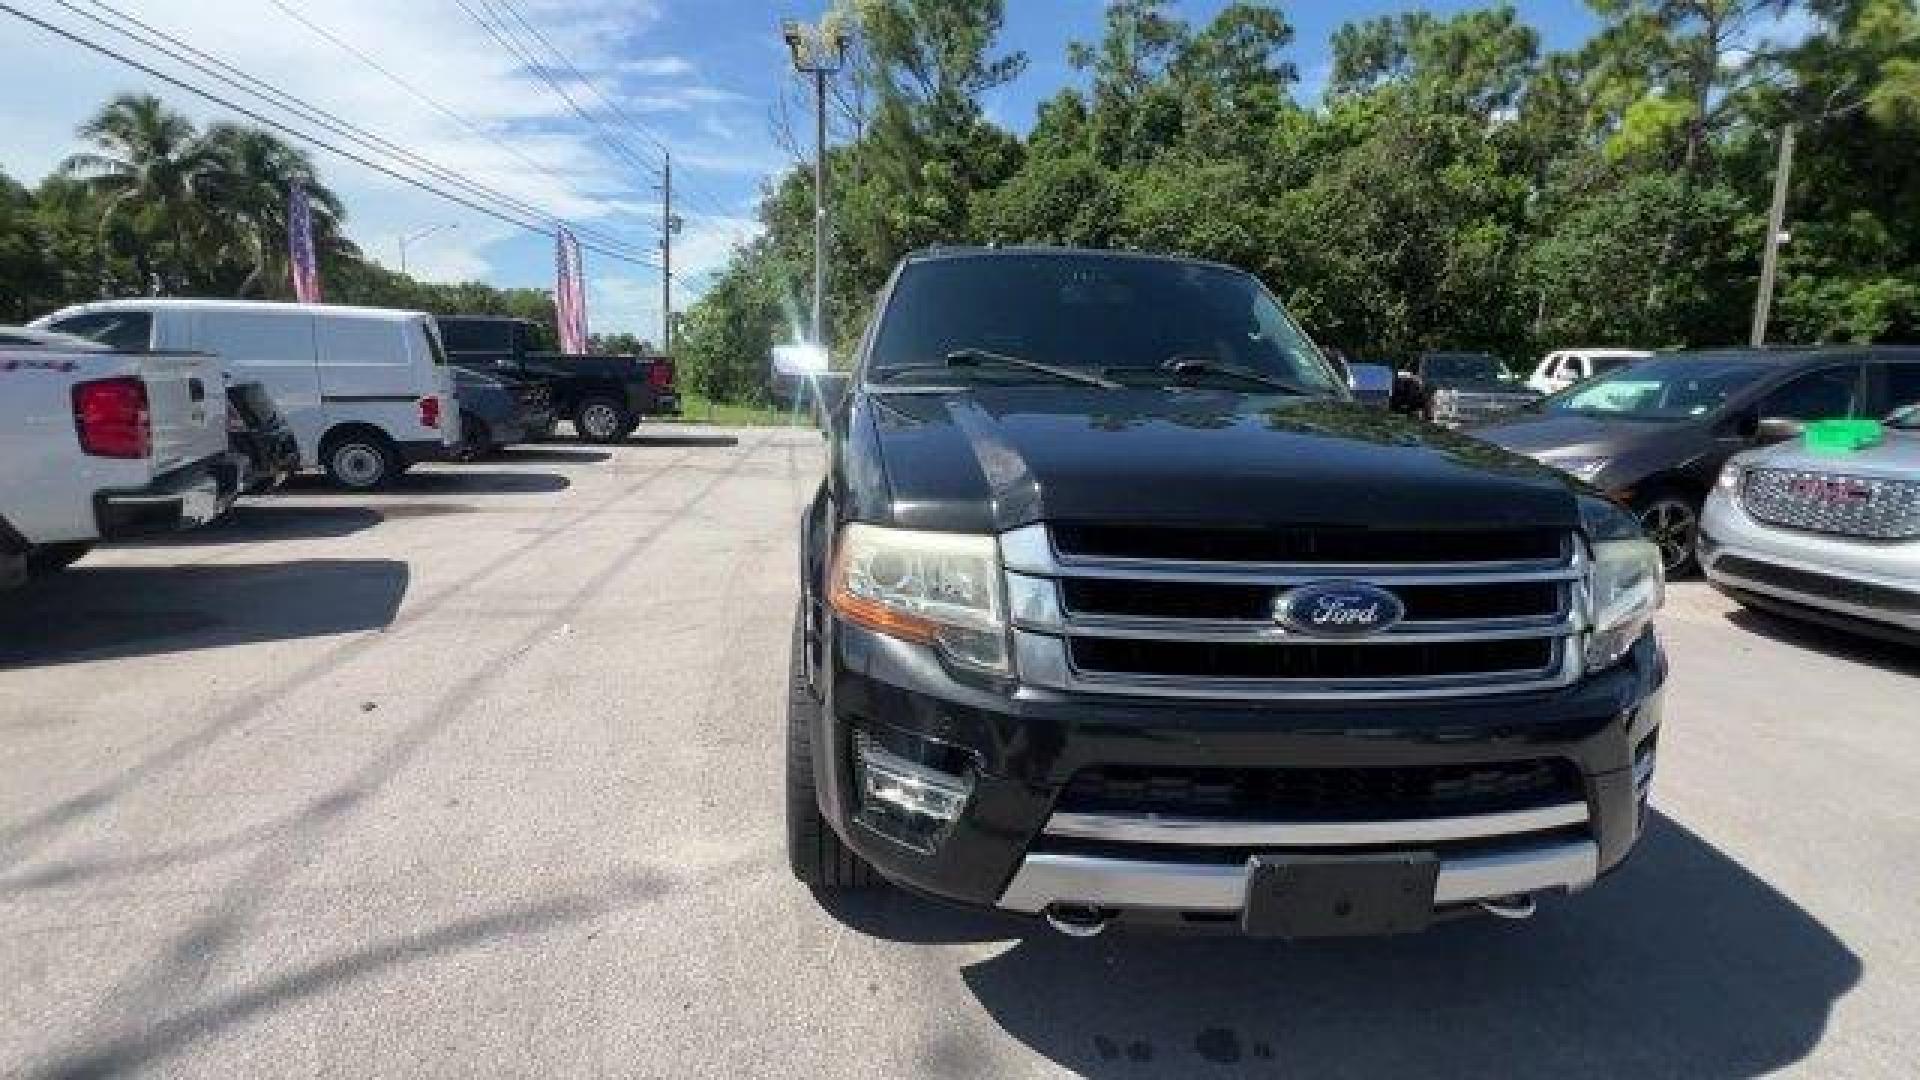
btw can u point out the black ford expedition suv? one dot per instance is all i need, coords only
(1116, 607)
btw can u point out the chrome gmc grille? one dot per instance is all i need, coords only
(1190, 613)
(1858, 506)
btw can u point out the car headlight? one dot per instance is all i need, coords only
(1583, 468)
(1730, 474)
(1626, 584)
(940, 589)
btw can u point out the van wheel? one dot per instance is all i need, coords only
(601, 420)
(360, 461)
(53, 558)
(818, 856)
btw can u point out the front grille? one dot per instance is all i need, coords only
(1857, 506)
(1172, 612)
(1822, 586)
(1317, 661)
(1408, 791)
(1237, 600)
(1305, 546)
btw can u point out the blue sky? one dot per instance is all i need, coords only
(702, 76)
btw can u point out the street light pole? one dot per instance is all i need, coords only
(1776, 226)
(818, 51)
(406, 239)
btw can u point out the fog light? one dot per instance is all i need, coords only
(911, 790)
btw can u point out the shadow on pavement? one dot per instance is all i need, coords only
(1839, 644)
(251, 521)
(682, 440)
(92, 613)
(552, 455)
(1682, 964)
(445, 478)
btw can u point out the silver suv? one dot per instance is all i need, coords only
(1833, 539)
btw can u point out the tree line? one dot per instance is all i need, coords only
(1455, 185)
(154, 205)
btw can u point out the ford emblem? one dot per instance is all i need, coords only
(1338, 609)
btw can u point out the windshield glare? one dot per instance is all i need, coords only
(1668, 389)
(1121, 316)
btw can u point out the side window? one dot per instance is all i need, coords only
(1818, 395)
(1903, 385)
(130, 330)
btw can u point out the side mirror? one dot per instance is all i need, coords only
(1777, 429)
(829, 392)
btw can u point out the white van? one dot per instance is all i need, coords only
(367, 391)
(1564, 367)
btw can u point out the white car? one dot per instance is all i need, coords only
(367, 391)
(1565, 367)
(100, 444)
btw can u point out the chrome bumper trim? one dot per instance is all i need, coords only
(1046, 878)
(1215, 832)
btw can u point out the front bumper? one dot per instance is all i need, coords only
(182, 499)
(1012, 849)
(1864, 585)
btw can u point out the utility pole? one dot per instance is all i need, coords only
(668, 224)
(818, 51)
(1776, 232)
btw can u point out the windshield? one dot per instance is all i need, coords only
(1662, 389)
(1465, 368)
(1127, 318)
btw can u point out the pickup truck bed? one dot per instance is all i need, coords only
(101, 444)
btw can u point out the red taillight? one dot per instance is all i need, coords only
(430, 412)
(111, 418)
(660, 375)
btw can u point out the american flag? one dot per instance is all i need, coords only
(570, 294)
(306, 269)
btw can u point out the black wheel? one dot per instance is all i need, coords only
(360, 460)
(53, 558)
(1671, 520)
(818, 856)
(476, 434)
(602, 420)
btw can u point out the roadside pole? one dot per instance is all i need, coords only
(1776, 225)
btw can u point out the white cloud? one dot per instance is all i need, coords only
(657, 67)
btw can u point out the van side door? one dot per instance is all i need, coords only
(274, 349)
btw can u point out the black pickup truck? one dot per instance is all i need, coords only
(604, 396)
(1114, 605)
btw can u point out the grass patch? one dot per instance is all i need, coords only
(695, 409)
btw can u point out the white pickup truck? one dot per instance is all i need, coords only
(99, 444)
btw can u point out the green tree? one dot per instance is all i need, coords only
(250, 176)
(149, 162)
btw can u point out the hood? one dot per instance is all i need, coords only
(1896, 457)
(1568, 435)
(992, 459)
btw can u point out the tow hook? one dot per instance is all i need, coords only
(1514, 908)
(1077, 920)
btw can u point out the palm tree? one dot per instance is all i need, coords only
(151, 158)
(252, 172)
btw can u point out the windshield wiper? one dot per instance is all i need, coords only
(1184, 367)
(989, 358)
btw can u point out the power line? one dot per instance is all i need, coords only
(312, 113)
(416, 92)
(307, 137)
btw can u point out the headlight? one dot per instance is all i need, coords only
(1730, 474)
(940, 589)
(1584, 468)
(1625, 586)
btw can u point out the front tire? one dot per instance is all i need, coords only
(50, 559)
(819, 858)
(602, 420)
(361, 461)
(1671, 520)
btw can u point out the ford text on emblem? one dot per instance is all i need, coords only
(1338, 609)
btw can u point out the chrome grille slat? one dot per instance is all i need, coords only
(1045, 628)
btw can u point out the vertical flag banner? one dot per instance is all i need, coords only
(300, 255)
(570, 293)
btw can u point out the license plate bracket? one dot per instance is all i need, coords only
(1306, 896)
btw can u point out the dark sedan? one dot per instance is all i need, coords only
(1655, 433)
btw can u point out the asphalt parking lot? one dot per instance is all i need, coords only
(481, 776)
